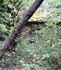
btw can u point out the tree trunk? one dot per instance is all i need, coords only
(10, 39)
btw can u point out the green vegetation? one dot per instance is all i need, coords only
(52, 4)
(38, 50)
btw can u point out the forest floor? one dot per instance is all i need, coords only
(36, 50)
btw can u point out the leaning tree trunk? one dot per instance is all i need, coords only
(9, 41)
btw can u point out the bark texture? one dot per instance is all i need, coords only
(12, 36)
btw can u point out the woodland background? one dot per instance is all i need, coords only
(38, 46)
